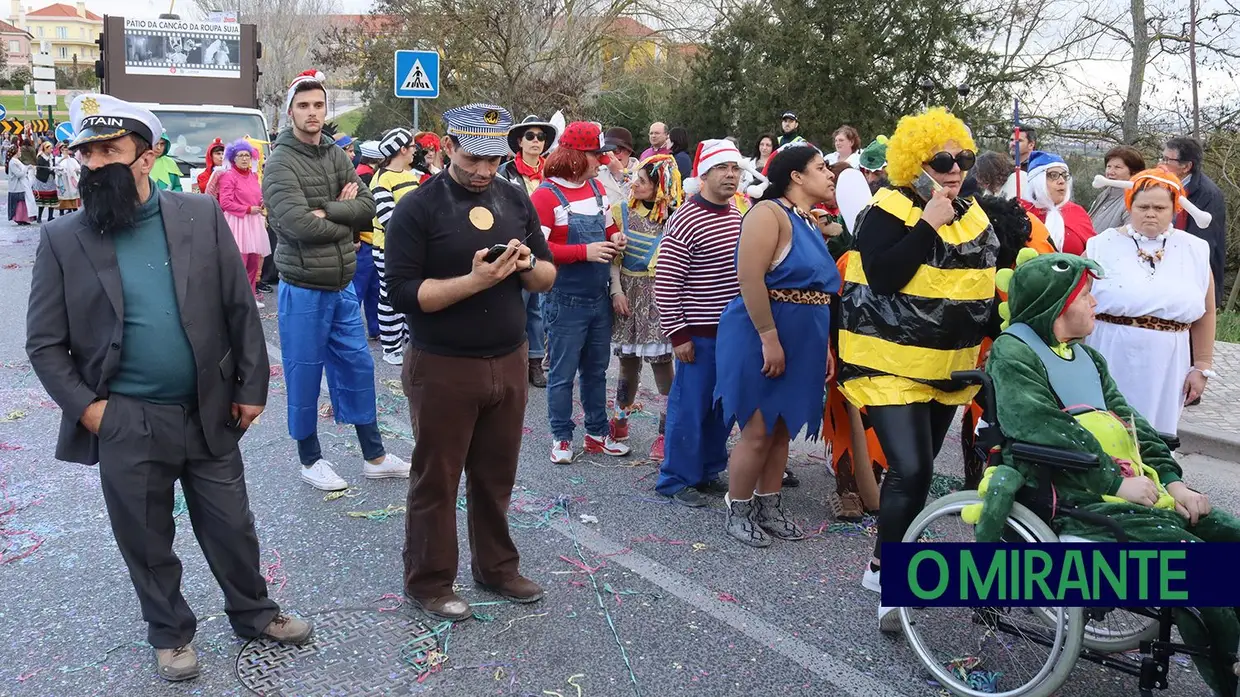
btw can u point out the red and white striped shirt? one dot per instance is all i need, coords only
(554, 217)
(695, 275)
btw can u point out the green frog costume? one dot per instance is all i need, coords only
(1061, 395)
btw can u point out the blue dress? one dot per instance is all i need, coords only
(804, 332)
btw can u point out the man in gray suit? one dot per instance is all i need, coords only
(143, 328)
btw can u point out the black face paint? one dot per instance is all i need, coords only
(109, 196)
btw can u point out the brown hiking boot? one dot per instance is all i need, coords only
(177, 664)
(537, 377)
(518, 589)
(451, 607)
(287, 629)
(851, 509)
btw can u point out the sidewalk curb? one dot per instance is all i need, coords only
(1216, 444)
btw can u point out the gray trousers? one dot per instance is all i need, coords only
(144, 449)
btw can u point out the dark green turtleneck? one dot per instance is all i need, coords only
(157, 362)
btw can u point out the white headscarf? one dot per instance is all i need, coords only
(1038, 195)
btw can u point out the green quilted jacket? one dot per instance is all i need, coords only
(298, 179)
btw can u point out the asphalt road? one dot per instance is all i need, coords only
(644, 598)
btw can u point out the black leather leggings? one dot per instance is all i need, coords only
(911, 436)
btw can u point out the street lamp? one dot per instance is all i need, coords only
(927, 85)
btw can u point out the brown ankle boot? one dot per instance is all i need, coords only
(537, 378)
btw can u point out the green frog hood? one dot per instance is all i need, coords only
(1042, 286)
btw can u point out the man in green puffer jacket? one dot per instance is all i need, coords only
(316, 203)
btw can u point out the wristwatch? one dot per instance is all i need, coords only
(533, 261)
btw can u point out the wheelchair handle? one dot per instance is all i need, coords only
(979, 377)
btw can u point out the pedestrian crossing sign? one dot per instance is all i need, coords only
(417, 74)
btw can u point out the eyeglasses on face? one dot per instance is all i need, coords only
(942, 162)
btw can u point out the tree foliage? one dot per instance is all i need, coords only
(839, 61)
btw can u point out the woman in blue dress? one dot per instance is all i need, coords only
(772, 355)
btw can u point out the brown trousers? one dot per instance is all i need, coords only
(467, 413)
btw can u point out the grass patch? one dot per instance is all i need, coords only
(23, 108)
(1228, 327)
(349, 122)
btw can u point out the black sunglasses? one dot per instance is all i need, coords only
(942, 162)
(531, 135)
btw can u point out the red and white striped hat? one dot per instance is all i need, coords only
(710, 154)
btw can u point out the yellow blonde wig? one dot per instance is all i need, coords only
(917, 138)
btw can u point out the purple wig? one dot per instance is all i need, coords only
(243, 145)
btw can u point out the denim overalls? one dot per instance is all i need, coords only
(577, 311)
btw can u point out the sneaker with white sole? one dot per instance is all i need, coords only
(392, 467)
(321, 476)
(394, 358)
(889, 619)
(872, 580)
(562, 452)
(605, 445)
(260, 304)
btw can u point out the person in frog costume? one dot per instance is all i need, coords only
(1053, 390)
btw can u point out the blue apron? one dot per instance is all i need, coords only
(583, 279)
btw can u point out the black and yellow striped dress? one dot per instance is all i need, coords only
(902, 345)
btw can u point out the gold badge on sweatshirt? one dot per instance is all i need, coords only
(481, 218)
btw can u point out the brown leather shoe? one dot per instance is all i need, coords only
(287, 629)
(177, 664)
(851, 509)
(537, 377)
(451, 607)
(518, 589)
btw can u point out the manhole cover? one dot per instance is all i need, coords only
(354, 652)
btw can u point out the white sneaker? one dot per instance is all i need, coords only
(605, 445)
(394, 358)
(562, 452)
(871, 580)
(392, 467)
(889, 619)
(321, 476)
(260, 304)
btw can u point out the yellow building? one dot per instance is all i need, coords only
(71, 30)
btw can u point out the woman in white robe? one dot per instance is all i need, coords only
(1156, 293)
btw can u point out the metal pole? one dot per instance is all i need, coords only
(1192, 65)
(415, 116)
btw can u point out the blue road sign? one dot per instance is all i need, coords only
(64, 132)
(417, 74)
(3, 112)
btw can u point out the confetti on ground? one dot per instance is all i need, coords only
(102, 658)
(10, 267)
(514, 620)
(380, 514)
(426, 653)
(578, 481)
(968, 670)
(587, 518)
(15, 415)
(274, 573)
(179, 507)
(15, 544)
(277, 371)
(727, 597)
(350, 493)
(9, 446)
(394, 387)
(942, 484)
(393, 597)
(571, 678)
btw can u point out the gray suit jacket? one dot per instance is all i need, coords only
(74, 328)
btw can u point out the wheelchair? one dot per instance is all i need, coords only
(979, 640)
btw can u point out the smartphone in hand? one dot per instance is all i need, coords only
(495, 252)
(925, 186)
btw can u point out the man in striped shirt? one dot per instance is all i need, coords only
(695, 278)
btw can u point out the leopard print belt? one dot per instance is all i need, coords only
(1146, 322)
(800, 296)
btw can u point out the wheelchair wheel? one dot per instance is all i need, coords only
(1119, 631)
(974, 652)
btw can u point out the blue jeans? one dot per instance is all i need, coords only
(579, 341)
(366, 286)
(695, 436)
(309, 451)
(535, 330)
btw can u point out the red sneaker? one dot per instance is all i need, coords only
(605, 445)
(656, 449)
(619, 429)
